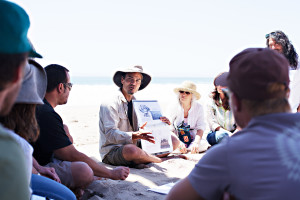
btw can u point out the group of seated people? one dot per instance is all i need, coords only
(38, 149)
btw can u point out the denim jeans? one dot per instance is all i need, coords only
(215, 137)
(46, 187)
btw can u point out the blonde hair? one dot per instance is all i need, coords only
(279, 103)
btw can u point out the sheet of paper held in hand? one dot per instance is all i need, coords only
(149, 111)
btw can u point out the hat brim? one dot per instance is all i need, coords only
(34, 85)
(197, 94)
(34, 54)
(117, 78)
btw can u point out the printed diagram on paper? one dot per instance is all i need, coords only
(149, 111)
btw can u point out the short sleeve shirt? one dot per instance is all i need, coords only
(259, 162)
(52, 134)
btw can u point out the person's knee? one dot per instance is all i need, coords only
(131, 152)
(82, 174)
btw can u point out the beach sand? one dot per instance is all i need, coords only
(83, 125)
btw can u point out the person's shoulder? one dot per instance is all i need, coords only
(113, 100)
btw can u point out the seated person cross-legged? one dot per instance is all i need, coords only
(187, 118)
(219, 116)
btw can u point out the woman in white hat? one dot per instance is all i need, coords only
(219, 116)
(187, 118)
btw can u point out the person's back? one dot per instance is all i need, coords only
(258, 162)
(13, 180)
(262, 160)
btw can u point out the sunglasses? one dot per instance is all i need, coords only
(69, 85)
(181, 92)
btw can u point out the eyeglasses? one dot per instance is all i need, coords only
(69, 85)
(181, 92)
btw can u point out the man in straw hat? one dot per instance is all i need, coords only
(54, 148)
(119, 131)
(14, 50)
(262, 160)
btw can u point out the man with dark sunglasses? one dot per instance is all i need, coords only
(262, 160)
(54, 147)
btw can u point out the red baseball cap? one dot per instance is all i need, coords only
(254, 69)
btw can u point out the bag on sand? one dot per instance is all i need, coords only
(183, 131)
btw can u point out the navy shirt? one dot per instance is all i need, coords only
(52, 134)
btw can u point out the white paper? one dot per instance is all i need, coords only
(149, 111)
(163, 189)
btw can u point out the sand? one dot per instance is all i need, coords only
(83, 125)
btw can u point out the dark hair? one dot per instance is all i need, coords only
(287, 48)
(216, 97)
(22, 121)
(9, 63)
(56, 74)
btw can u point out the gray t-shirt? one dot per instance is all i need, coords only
(260, 162)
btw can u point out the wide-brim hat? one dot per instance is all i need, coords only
(13, 32)
(34, 84)
(118, 74)
(188, 86)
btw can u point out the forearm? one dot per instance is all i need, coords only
(198, 136)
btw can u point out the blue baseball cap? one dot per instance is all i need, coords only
(14, 28)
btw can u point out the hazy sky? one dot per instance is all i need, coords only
(189, 38)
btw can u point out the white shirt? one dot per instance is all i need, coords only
(195, 117)
(294, 98)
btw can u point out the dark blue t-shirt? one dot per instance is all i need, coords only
(52, 134)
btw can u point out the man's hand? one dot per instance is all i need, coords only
(120, 173)
(144, 135)
(194, 148)
(165, 120)
(182, 148)
(49, 172)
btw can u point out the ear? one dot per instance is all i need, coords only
(60, 88)
(19, 73)
(122, 80)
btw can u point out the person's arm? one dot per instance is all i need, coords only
(212, 118)
(183, 190)
(45, 171)
(69, 153)
(66, 128)
(108, 124)
(195, 144)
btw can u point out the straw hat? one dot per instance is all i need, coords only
(146, 77)
(188, 86)
(34, 84)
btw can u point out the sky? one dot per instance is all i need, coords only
(169, 38)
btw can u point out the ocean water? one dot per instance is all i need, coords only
(156, 80)
(91, 91)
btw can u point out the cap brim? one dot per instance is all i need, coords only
(34, 54)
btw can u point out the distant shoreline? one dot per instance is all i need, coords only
(93, 80)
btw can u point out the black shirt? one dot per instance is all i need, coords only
(129, 113)
(52, 134)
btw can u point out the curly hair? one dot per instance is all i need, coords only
(288, 49)
(22, 121)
